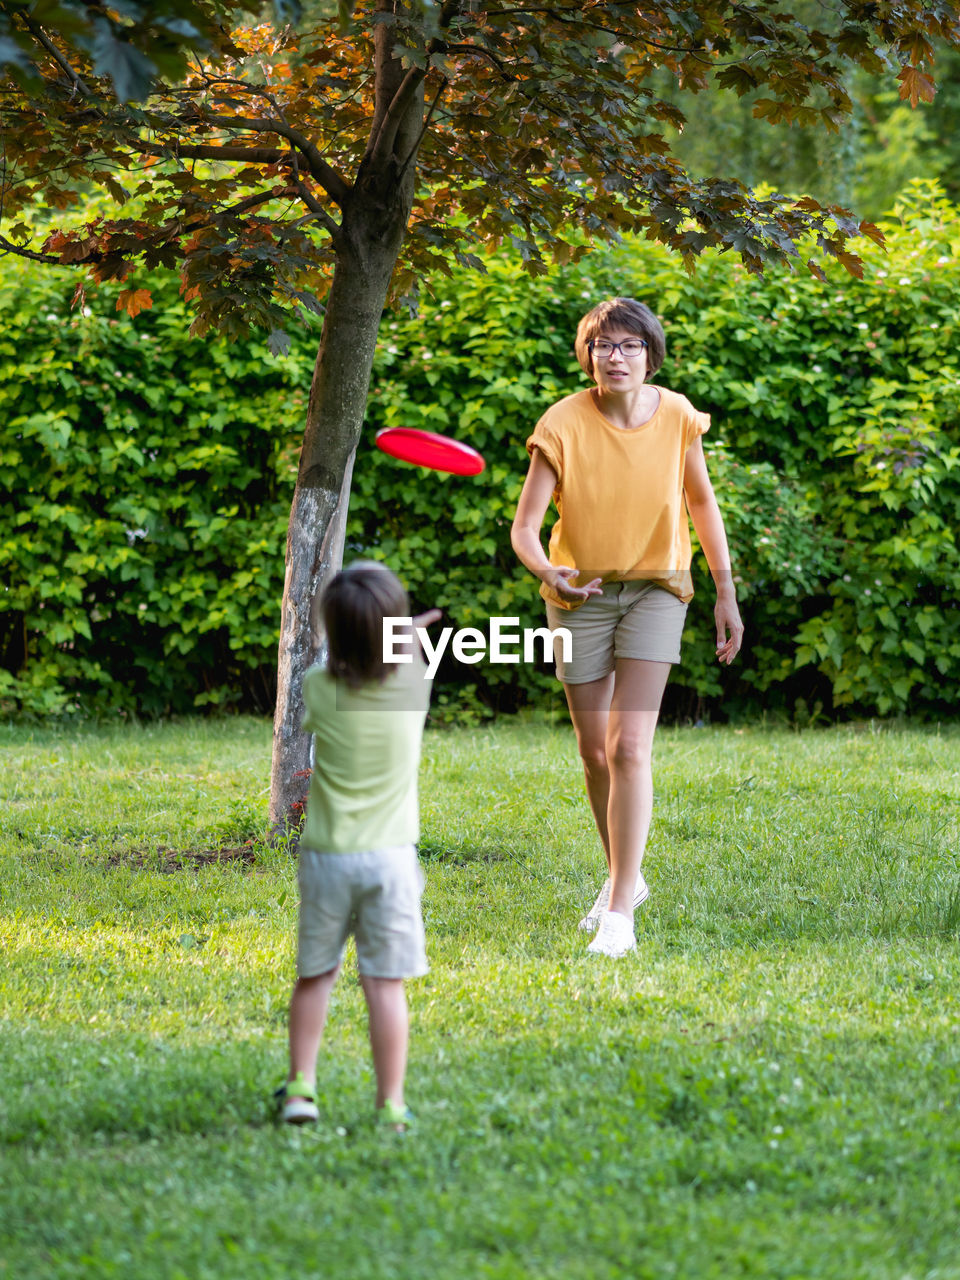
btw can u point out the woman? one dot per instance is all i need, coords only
(624, 462)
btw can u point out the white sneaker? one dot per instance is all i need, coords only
(614, 936)
(641, 891)
(590, 921)
(592, 918)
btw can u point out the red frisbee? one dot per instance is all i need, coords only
(427, 449)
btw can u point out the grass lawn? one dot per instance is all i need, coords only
(768, 1087)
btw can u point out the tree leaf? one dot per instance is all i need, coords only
(130, 70)
(916, 86)
(133, 301)
(872, 232)
(11, 55)
(850, 262)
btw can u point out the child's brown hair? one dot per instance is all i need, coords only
(354, 606)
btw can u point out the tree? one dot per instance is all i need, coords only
(320, 169)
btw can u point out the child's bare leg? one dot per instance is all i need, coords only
(308, 1014)
(389, 1034)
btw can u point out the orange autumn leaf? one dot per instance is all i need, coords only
(133, 301)
(851, 263)
(916, 86)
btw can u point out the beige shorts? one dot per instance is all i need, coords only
(628, 620)
(376, 897)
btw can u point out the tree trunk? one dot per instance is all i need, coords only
(338, 397)
(373, 224)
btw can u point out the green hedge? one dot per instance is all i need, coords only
(142, 550)
(142, 542)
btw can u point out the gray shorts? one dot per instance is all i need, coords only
(628, 620)
(376, 897)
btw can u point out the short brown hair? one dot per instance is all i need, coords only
(354, 606)
(621, 313)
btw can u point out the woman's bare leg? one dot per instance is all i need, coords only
(589, 710)
(634, 711)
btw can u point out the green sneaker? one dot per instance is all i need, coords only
(297, 1101)
(391, 1116)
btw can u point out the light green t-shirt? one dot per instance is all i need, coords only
(363, 789)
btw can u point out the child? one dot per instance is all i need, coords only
(358, 868)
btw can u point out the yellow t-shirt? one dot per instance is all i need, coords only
(619, 493)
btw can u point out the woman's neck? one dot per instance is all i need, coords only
(628, 409)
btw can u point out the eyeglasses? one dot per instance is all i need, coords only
(603, 349)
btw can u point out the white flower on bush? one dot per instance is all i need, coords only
(817, 368)
(904, 280)
(863, 326)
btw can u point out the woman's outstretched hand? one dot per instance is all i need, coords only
(559, 578)
(729, 629)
